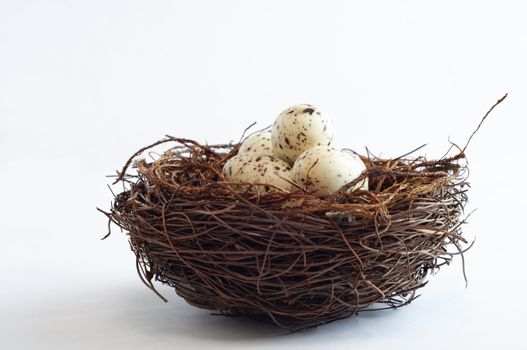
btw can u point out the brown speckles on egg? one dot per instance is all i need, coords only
(260, 169)
(297, 129)
(309, 183)
(257, 144)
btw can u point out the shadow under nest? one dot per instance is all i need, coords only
(290, 258)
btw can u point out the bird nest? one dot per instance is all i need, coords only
(290, 258)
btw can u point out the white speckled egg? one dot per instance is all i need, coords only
(257, 144)
(324, 170)
(298, 129)
(261, 169)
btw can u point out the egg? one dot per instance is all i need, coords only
(298, 129)
(324, 170)
(262, 169)
(257, 144)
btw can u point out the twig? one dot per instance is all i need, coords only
(483, 119)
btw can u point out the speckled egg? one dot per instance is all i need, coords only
(261, 169)
(257, 144)
(298, 129)
(324, 170)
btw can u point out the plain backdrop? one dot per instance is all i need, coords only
(84, 84)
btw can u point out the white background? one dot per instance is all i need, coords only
(83, 84)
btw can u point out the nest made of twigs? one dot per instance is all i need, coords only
(289, 257)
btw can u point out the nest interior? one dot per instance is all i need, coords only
(290, 258)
